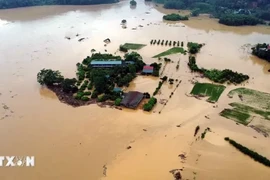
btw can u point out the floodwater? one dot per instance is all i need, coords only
(90, 142)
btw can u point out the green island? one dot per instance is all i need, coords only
(173, 50)
(100, 78)
(5, 4)
(252, 154)
(262, 51)
(230, 12)
(133, 3)
(253, 103)
(218, 76)
(175, 17)
(213, 91)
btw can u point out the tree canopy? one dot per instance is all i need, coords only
(49, 77)
(4, 4)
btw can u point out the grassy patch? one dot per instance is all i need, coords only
(258, 99)
(173, 50)
(213, 91)
(133, 46)
(249, 110)
(237, 116)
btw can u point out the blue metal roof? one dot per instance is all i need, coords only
(148, 71)
(117, 89)
(112, 62)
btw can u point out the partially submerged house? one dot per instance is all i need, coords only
(148, 69)
(132, 99)
(105, 63)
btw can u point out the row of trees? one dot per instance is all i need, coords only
(262, 51)
(163, 42)
(175, 17)
(254, 155)
(24, 3)
(218, 76)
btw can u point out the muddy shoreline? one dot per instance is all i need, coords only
(67, 98)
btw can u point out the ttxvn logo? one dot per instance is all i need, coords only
(13, 161)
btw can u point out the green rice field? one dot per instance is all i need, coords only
(133, 46)
(213, 91)
(173, 50)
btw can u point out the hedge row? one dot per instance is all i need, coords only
(254, 155)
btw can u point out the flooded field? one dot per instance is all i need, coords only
(91, 142)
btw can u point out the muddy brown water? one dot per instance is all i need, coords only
(75, 143)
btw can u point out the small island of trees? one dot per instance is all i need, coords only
(174, 17)
(133, 3)
(262, 51)
(239, 20)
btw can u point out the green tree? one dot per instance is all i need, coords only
(117, 102)
(133, 3)
(68, 85)
(49, 77)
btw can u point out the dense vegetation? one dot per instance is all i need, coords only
(24, 3)
(150, 104)
(194, 48)
(239, 20)
(262, 51)
(218, 76)
(95, 81)
(133, 3)
(174, 17)
(254, 155)
(228, 9)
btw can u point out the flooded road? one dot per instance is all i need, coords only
(77, 143)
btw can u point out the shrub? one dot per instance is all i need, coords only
(182, 44)
(150, 104)
(85, 98)
(87, 93)
(117, 101)
(94, 94)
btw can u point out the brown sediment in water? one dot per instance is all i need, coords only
(80, 143)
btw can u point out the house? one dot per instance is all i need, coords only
(268, 47)
(148, 70)
(132, 99)
(105, 64)
(117, 89)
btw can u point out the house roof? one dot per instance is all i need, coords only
(268, 47)
(117, 89)
(148, 68)
(132, 99)
(111, 62)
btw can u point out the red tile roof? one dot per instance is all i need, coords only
(148, 68)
